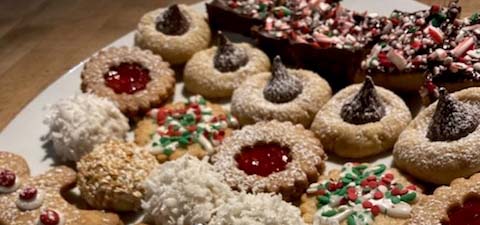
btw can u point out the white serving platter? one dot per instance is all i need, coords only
(24, 134)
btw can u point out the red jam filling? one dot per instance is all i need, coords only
(263, 159)
(28, 193)
(7, 178)
(467, 214)
(127, 78)
(49, 217)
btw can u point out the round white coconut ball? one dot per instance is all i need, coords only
(184, 191)
(79, 122)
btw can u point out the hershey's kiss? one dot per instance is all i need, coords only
(172, 21)
(452, 119)
(228, 57)
(282, 87)
(365, 107)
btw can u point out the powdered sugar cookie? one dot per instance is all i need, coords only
(360, 194)
(284, 95)
(176, 33)
(38, 199)
(442, 142)
(218, 71)
(194, 127)
(361, 120)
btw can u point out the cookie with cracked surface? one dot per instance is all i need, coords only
(38, 200)
(194, 127)
(283, 94)
(218, 71)
(175, 33)
(274, 156)
(136, 80)
(361, 120)
(111, 176)
(361, 194)
(457, 204)
(442, 142)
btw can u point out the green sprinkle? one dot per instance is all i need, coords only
(409, 197)
(474, 18)
(167, 151)
(262, 7)
(380, 170)
(202, 101)
(323, 200)
(329, 213)
(346, 180)
(351, 220)
(184, 141)
(154, 144)
(165, 141)
(395, 200)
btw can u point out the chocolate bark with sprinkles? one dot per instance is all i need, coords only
(362, 192)
(228, 57)
(172, 21)
(365, 107)
(452, 119)
(282, 87)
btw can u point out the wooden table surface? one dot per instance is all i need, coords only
(41, 39)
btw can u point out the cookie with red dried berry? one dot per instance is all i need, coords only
(136, 80)
(361, 120)
(400, 59)
(277, 157)
(457, 204)
(366, 194)
(442, 142)
(282, 94)
(38, 200)
(175, 33)
(218, 71)
(111, 176)
(194, 127)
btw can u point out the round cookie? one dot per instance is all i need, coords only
(184, 191)
(274, 156)
(218, 71)
(111, 176)
(442, 142)
(194, 127)
(284, 95)
(176, 33)
(457, 204)
(136, 80)
(361, 194)
(79, 122)
(361, 120)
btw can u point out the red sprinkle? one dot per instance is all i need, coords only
(162, 115)
(49, 217)
(375, 210)
(378, 195)
(364, 183)
(28, 193)
(412, 187)
(332, 186)
(372, 184)
(371, 177)
(367, 204)
(7, 178)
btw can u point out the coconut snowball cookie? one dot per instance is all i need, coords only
(258, 209)
(457, 204)
(136, 80)
(442, 142)
(194, 127)
(184, 191)
(360, 194)
(218, 71)
(361, 120)
(273, 156)
(111, 176)
(283, 94)
(175, 33)
(80, 122)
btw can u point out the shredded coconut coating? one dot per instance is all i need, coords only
(183, 192)
(433, 209)
(440, 161)
(176, 49)
(201, 76)
(158, 89)
(305, 151)
(250, 106)
(259, 209)
(80, 122)
(356, 141)
(112, 175)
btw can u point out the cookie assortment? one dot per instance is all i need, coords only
(263, 159)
